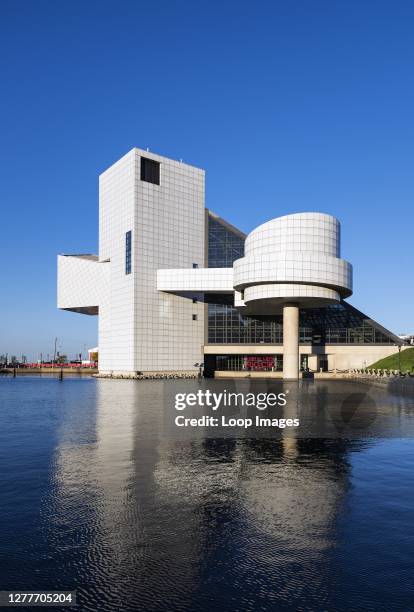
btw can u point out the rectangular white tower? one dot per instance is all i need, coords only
(151, 216)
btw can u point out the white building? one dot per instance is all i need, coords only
(176, 286)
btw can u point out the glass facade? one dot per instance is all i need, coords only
(227, 326)
(224, 245)
(334, 324)
(342, 324)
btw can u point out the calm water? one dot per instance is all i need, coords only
(97, 497)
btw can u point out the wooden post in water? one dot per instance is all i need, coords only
(61, 374)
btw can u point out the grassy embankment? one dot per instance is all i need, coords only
(392, 362)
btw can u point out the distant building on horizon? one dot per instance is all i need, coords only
(176, 286)
(407, 338)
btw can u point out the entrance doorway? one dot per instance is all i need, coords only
(323, 363)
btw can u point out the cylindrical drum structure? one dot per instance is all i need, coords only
(292, 260)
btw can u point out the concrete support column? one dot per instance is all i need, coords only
(291, 341)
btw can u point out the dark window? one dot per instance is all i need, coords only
(194, 317)
(128, 262)
(150, 171)
(195, 265)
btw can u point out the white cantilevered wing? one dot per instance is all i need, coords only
(83, 282)
(203, 280)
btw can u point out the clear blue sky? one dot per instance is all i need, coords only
(288, 105)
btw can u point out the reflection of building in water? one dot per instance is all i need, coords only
(166, 522)
(93, 469)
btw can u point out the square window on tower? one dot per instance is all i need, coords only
(150, 171)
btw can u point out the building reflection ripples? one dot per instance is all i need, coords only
(135, 520)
